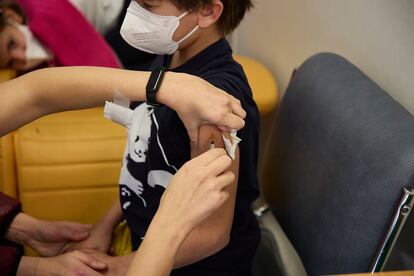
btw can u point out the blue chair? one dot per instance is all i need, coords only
(339, 171)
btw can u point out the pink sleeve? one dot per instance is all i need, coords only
(68, 34)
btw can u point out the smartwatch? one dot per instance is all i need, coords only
(154, 84)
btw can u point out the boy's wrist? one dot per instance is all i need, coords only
(106, 225)
(111, 220)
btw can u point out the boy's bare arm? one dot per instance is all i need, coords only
(214, 233)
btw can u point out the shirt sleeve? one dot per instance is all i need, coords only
(10, 253)
(9, 208)
(10, 256)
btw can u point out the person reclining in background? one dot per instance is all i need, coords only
(37, 33)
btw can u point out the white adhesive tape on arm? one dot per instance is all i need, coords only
(231, 146)
(118, 114)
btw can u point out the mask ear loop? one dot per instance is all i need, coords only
(189, 34)
(183, 15)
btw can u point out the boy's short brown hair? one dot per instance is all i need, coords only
(233, 12)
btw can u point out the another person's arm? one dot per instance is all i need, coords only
(197, 190)
(47, 238)
(208, 237)
(53, 90)
(73, 263)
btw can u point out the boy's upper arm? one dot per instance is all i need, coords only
(223, 217)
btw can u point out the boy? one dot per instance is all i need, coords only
(189, 36)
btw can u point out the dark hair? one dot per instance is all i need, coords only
(2, 20)
(233, 13)
(9, 4)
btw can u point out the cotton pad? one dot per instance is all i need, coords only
(231, 145)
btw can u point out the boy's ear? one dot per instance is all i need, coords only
(210, 13)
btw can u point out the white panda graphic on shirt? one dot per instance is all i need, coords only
(138, 140)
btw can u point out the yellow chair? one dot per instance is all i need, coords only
(8, 176)
(5, 75)
(266, 96)
(263, 84)
(68, 165)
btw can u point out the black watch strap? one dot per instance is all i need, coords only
(154, 84)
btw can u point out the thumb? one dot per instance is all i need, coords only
(91, 261)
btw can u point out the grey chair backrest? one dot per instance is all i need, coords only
(341, 152)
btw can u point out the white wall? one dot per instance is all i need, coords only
(375, 35)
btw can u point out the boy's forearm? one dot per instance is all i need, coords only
(112, 218)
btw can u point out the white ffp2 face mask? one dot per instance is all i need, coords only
(36, 53)
(150, 32)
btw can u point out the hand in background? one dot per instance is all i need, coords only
(73, 263)
(52, 238)
(48, 238)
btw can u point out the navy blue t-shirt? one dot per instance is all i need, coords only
(159, 146)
